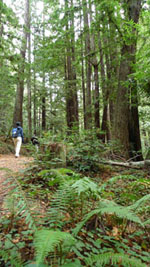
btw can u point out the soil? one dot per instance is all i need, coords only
(9, 165)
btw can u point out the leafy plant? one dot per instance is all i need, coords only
(58, 176)
(60, 204)
(115, 179)
(85, 152)
(113, 259)
(86, 186)
(139, 203)
(47, 241)
(109, 207)
(19, 205)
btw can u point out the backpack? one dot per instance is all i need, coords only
(14, 133)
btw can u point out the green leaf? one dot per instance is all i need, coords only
(109, 207)
(106, 258)
(47, 241)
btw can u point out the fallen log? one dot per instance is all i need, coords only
(131, 164)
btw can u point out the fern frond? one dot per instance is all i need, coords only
(69, 173)
(47, 241)
(139, 203)
(86, 186)
(20, 204)
(64, 173)
(113, 259)
(61, 201)
(4, 254)
(115, 179)
(59, 176)
(13, 258)
(109, 207)
(147, 222)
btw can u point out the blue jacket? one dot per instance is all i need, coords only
(20, 133)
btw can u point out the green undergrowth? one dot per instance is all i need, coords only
(63, 217)
(7, 147)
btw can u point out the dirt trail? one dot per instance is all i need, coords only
(9, 165)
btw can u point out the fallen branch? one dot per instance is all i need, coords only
(135, 165)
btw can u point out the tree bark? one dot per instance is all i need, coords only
(134, 128)
(105, 92)
(122, 109)
(121, 123)
(70, 73)
(74, 76)
(83, 86)
(88, 66)
(43, 96)
(20, 86)
(29, 73)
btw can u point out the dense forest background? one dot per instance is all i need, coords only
(69, 66)
(76, 74)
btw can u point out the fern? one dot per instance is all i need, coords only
(67, 172)
(139, 203)
(112, 259)
(13, 258)
(61, 202)
(47, 241)
(69, 195)
(85, 186)
(109, 207)
(20, 204)
(115, 179)
(58, 176)
(4, 255)
(147, 222)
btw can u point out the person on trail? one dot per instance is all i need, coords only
(18, 138)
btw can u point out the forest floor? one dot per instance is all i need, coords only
(37, 202)
(9, 165)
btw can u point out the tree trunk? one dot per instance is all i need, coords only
(43, 83)
(35, 112)
(83, 74)
(95, 64)
(34, 104)
(104, 126)
(83, 87)
(70, 73)
(74, 78)
(96, 98)
(122, 108)
(134, 128)
(29, 74)
(20, 86)
(121, 122)
(88, 66)
(43, 104)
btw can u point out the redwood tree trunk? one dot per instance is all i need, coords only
(70, 73)
(121, 122)
(20, 86)
(88, 113)
(95, 64)
(43, 96)
(29, 74)
(123, 117)
(96, 98)
(134, 128)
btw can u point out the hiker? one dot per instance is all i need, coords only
(18, 139)
(35, 142)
